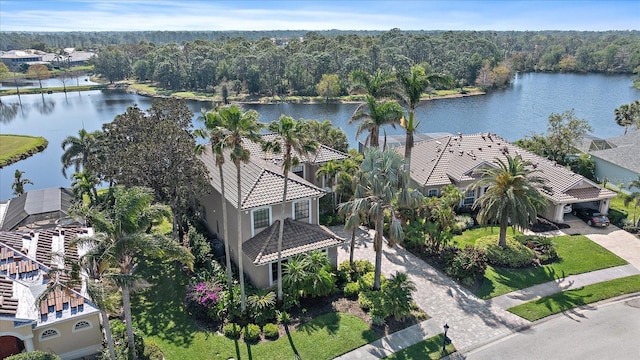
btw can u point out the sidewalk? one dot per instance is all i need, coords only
(473, 322)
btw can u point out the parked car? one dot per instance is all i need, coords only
(567, 209)
(592, 217)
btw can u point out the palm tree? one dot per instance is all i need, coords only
(380, 84)
(512, 194)
(85, 183)
(376, 191)
(19, 183)
(330, 171)
(412, 85)
(375, 114)
(239, 125)
(78, 150)
(628, 115)
(633, 198)
(214, 130)
(123, 241)
(292, 140)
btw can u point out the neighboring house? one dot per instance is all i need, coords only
(65, 323)
(16, 57)
(619, 160)
(455, 159)
(262, 186)
(34, 207)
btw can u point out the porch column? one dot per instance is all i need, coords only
(559, 213)
(604, 206)
(28, 344)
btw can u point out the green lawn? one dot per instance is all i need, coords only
(430, 348)
(566, 300)
(577, 255)
(159, 314)
(469, 237)
(12, 147)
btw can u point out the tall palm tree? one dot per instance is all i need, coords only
(628, 115)
(78, 150)
(376, 191)
(330, 171)
(413, 84)
(123, 241)
(512, 194)
(373, 115)
(214, 130)
(292, 140)
(239, 125)
(85, 183)
(633, 198)
(19, 183)
(380, 84)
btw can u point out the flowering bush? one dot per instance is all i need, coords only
(202, 297)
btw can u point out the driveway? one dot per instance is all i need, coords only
(616, 240)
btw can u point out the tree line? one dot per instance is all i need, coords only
(271, 66)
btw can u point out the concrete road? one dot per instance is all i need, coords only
(608, 331)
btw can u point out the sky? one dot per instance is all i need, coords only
(138, 15)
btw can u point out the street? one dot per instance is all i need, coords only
(610, 331)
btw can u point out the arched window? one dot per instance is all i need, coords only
(82, 325)
(49, 334)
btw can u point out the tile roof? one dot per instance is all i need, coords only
(323, 155)
(624, 153)
(298, 237)
(261, 181)
(452, 159)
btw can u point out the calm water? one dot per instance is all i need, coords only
(512, 113)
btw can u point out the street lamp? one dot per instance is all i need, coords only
(445, 340)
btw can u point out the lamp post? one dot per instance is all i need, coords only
(444, 341)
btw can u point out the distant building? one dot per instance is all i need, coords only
(617, 159)
(14, 58)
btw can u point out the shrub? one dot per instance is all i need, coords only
(34, 355)
(202, 297)
(467, 265)
(251, 333)
(396, 296)
(463, 222)
(617, 216)
(283, 317)
(350, 273)
(366, 281)
(231, 330)
(364, 300)
(119, 334)
(201, 249)
(414, 235)
(262, 306)
(544, 247)
(351, 290)
(152, 351)
(271, 331)
(515, 255)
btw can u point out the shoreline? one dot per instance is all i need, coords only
(39, 145)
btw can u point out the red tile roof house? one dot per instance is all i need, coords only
(262, 184)
(65, 323)
(454, 159)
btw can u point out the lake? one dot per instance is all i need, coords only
(513, 113)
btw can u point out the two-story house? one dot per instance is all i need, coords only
(261, 190)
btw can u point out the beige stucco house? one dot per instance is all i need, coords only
(64, 322)
(261, 191)
(455, 159)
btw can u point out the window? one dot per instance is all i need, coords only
(82, 325)
(301, 210)
(273, 271)
(298, 170)
(469, 197)
(432, 192)
(261, 218)
(49, 334)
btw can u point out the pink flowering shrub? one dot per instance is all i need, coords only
(202, 297)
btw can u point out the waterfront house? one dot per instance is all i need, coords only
(455, 159)
(261, 191)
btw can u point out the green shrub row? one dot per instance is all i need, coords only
(251, 332)
(465, 265)
(515, 255)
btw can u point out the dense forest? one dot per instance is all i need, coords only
(294, 62)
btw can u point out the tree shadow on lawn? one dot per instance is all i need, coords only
(568, 300)
(329, 321)
(159, 311)
(515, 278)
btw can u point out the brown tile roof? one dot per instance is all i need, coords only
(261, 182)
(8, 304)
(452, 159)
(323, 155)
(298, 237)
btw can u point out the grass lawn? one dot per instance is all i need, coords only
(469, 237)
(577, 255)
(566, 300)
(430, 348)
(12, 147)
(159, 314)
